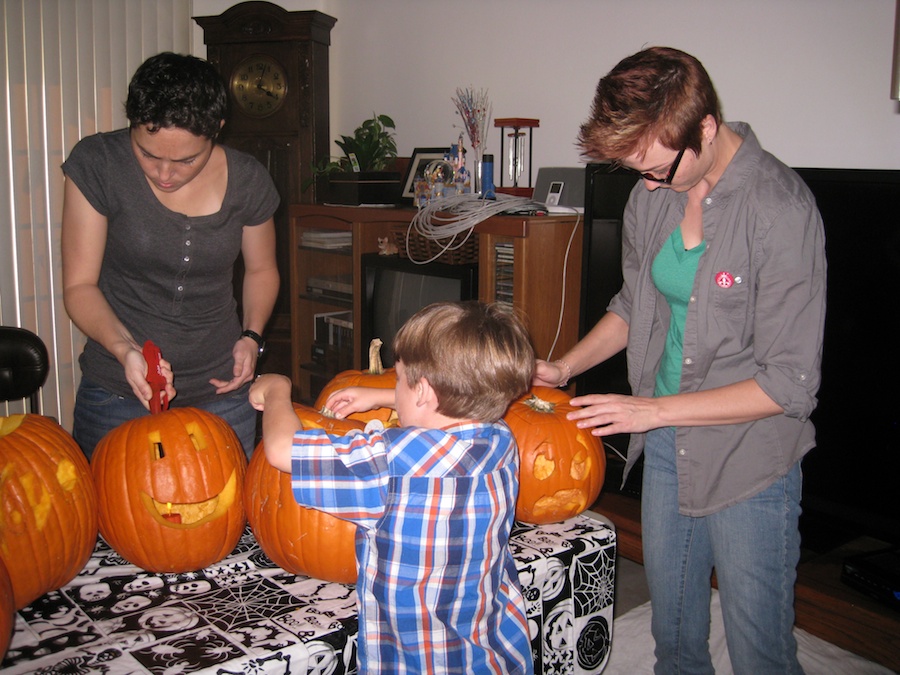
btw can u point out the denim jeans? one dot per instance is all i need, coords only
(754, 547)
(97, 411)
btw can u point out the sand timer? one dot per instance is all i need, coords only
(515, 155)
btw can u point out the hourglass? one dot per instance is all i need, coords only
(515, 154)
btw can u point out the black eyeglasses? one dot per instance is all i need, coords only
(662, 181)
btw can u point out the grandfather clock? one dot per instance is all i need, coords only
(275, 64)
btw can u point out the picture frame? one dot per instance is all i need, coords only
(421, 158)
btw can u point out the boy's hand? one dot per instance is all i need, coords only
(267, 386)
(359, 399)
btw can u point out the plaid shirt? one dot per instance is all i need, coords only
(438, 588)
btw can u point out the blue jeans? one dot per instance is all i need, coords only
(754, 547)
(97, 411)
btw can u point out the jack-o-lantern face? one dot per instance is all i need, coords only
(169, 488)
(561, 467)
(48, 506)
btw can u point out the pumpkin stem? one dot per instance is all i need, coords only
(538, 404)
(375, 365)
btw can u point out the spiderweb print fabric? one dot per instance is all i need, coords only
(246, 615)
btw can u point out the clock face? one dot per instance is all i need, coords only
(259, 85)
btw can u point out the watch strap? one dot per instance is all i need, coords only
(256, 337)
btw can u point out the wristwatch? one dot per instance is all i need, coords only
(257, 338)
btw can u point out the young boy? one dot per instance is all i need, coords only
(434, 499)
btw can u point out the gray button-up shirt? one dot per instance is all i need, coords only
(757, 311)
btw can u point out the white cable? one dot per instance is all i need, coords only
(562, 304)
(453, 219)
(449, 218)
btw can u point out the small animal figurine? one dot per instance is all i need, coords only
(386, 246)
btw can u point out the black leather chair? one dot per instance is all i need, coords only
(24, 363)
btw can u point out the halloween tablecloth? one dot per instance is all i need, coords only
(245, 615)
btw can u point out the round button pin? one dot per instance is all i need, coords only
(724, 280)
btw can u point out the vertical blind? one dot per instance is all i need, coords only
(67, 65)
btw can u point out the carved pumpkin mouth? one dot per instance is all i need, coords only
(195, 514)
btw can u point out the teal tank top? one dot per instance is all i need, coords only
(673, 273)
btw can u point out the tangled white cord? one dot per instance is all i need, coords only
(451, 220)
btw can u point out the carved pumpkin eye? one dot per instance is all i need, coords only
(192, 431)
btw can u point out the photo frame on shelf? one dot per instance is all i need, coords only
(421, 158)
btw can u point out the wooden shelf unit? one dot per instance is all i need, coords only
(545, 279)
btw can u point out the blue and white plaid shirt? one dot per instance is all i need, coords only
(438, 588)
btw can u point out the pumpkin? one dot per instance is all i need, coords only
(7, 610)
(561, 467)
(376, 376)
(48, 506)
(169, 487)
(299, 539)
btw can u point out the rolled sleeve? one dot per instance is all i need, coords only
(790, 311)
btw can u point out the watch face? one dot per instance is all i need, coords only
(259, 85)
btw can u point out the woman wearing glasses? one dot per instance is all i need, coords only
(721, 313)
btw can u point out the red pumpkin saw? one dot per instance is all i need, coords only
(376, 376)
(561, 467)
(298, 539)
(48, 506)
(7, 610)
(169, 488)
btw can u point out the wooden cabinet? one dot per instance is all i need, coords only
(534, 262)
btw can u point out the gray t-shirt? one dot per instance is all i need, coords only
(167, 276)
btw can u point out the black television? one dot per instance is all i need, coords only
(849, 478)
(395, 288)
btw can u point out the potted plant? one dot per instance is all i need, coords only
(363, 175)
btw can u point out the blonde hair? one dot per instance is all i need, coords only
(477, 357)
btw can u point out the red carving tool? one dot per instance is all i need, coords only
(159, 399)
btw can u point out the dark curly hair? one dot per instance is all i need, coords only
(177, 90)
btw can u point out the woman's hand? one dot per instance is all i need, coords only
(547, 374)
(245, 353)
(359, 399)
(608, 414)
(136, 375)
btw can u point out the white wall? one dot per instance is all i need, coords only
(811, 76)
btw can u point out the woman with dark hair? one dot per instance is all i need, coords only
(154, 218)
(721, 313)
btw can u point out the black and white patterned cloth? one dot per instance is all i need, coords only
(246, 615)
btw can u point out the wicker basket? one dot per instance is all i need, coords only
(422, 249)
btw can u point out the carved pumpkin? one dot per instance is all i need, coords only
(376, 376)
(48, 506)
(561, 467)
(298, 539)
(169, 487)
(7, 610)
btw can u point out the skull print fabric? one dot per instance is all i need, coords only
(246, 615)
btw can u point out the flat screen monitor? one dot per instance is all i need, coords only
(395, 288)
